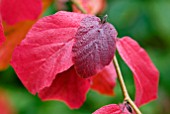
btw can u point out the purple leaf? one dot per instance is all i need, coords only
(94, 46)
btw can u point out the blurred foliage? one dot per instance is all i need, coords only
(148, 22)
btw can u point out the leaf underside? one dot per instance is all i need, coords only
(146, 75)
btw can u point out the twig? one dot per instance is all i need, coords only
(123, 87)
(120, 77)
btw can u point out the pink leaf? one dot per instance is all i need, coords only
(18, 10)
(146, 75)
(2, 37)
(67, 87)
(94, 46)
(112, 109)
(46, 50)
(105, 81)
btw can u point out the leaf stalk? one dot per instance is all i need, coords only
(123, 87)
(119, 74)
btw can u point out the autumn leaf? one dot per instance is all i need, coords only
(105, 81)
(2, 37)
(89, 6)
(49, 50)
(14, 11)
(146, 75)
(94, 47)
(5, 104)
(47, 67)
(112, 109)
(15, 34)
(67, 87)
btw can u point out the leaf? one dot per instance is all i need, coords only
(146, 75)
(2, 37)
(5, 104)
(14, 11)
(89, 6)
(105, 81)
(94, 46)
(67, 87)
(46, 50)
(14, 35)
(112, 109)
(61, 4)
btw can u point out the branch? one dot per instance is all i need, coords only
(123, 87)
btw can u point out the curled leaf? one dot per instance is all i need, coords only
(94, 46)
(146, 75)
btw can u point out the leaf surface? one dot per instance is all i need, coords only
(14, 35)
(105, 81)
(94, 46)
(67, 87)
(89, 6)
(111, 109)
(2, 37)
(46, 50)
(14, 11)
(146, 75)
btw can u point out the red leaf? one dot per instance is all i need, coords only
(14, 35)
(94, 46)
(146, 75)
(67, 87)
(89, 6)
(111, 109)
(5, 104)
(105, 81)
(18, 10)
(2, 37)
(46, 50)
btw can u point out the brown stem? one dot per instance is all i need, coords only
(79, 6)
(123, 87)
(120, 77)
